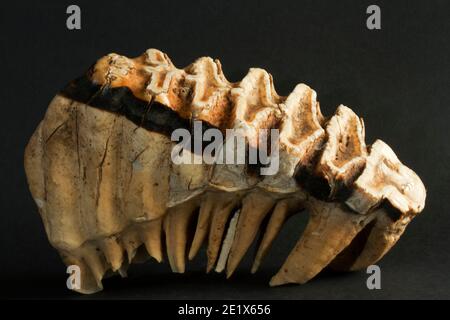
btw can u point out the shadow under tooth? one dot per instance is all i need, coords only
(255, 207)
(281, 213)
(176, 225)
(113, 252)
(330, 230)
(220, 216)
(203, 223)
(152, 237)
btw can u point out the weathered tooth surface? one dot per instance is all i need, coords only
(209, 105)
(255, 206)
(301, 131)
(221, 213)
(100, 170)
(256, 103)
(386, 178)
(342, 158)
(61, 170)
(256, 106)
(330, 229)
(187, 180)
(146, 191)
(283, 209)
(382, 234)
(301, 136)
(176, 223)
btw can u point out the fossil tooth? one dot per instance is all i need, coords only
(101, 171)
(403, 195)
(281, 212)
(255, 206)
(329, 230)
(381, 235)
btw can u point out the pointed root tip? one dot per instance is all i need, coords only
(277, 280)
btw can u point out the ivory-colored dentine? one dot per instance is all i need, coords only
(100, 171)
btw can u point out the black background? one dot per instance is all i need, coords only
(396, 78)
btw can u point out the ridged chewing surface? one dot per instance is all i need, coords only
(100, 172)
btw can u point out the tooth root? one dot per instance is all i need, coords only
(152, 234)
(95, 262)
(221, 212)
(330, 229)
(113, 253)
(254, 208)
(382, 237)
(176, 227)
(88, 283)
(203, 223)
(227, 243)
(282, 211)
(131, 242)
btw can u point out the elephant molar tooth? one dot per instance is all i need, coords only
(100, 168)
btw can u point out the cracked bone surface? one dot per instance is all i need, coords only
(99, 168)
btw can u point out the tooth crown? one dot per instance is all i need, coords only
(100, 171)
